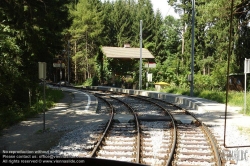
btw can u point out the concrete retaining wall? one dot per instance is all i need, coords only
(185, 102)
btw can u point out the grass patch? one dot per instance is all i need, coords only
(234, 98)
(245, 131)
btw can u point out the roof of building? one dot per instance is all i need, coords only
(122, 52)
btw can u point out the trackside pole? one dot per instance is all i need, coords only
(228, 66)
(42, 76)
(246, 70)
(44, 105)
(140, 70)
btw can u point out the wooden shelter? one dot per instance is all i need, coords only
(126, 52)
(236, 82)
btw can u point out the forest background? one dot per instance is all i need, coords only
(74, 31)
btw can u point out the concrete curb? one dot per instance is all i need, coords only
(185, 102)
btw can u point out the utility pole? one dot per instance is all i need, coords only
(192, 50)
(75, 64)
(140, 70)
(42, 69)
(68, 61)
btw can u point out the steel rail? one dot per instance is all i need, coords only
(205, 129)
(213, 143)
(170, 159)
(94, 151)
(211, 139)
(203, 126)
(138, 150)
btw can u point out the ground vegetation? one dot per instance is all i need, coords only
(73, 33)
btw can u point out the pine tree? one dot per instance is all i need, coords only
(32, 30)
(86, 30)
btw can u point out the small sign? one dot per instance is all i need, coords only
(149, 77)
(150, 65)
(42, 70)
(60, 74)
(247, 66)
(189, 78)
(59, 65)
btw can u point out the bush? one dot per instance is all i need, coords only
(213, 95)
(18, 112)
(88, 82)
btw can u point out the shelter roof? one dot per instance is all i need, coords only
(122, 52)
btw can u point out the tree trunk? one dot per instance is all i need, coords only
(86, 57)
(204, 67)
(76, 79)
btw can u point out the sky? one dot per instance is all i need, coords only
(164, 8)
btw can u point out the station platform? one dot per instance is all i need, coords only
(77, 109)
(82, 102)
(78, 101)
(208, 111)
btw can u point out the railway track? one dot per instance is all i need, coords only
(154, 136)
(121, 138)
(158, 132)
(195, 143)
(136, 141)
(156, 143)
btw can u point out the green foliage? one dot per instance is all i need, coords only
(36, 31)
(219, 76)
(88, 82)
(238, 99)
(212, 95)
(202, 82)
(15, 113)
(176, 90)
(91, 82)
(29, 32)
(86, 30)
(234, 98)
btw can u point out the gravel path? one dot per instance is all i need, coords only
(60, 120)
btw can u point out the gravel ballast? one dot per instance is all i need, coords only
(68, 133)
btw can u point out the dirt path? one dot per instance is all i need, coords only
(29, 135)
